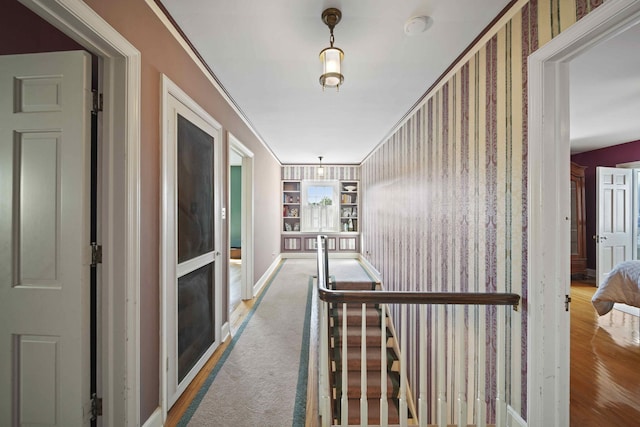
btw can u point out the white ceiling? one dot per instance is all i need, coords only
(265, 54)
(605, 93)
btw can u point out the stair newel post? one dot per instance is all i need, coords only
(441, 366)
(344, 413)
(501, 366)
(384, 404)
(402, 404)
(422, 400)
(481, 363)
(364, 406)
(461, 371)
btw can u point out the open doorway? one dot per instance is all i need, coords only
(240, 223)
(119, 348)
(549, 211)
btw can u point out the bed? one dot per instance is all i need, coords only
(622, 285)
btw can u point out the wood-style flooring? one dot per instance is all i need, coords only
(241, 310)
(605, 363)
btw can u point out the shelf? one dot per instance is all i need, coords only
(347, 213)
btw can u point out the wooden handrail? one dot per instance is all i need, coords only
(403, 297)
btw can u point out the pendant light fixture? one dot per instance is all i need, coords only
(320, 170)
(331, 57)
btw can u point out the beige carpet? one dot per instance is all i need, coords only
(256, 381)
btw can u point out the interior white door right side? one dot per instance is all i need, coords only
(44, 246)
(614, 238)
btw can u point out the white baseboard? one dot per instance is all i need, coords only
(370, 268)
(514, 419)
(225, 332)
(310, 255)
(155, 420)
(267, 274)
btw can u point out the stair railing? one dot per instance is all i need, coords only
(438, 300)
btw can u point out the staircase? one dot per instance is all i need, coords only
(373, 341)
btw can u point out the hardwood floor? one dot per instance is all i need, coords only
(181, 405)
(605, 363)
(235, 282)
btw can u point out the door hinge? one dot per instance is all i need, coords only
(96, 254)
(567, 301)
(97, 101)
(96, 406)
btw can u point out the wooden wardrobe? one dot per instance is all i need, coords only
(578, 222)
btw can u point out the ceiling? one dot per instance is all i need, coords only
(605, 93)
(265, 55)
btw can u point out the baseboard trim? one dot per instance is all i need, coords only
(310, 255)
(155, 420)
(370, 268)
(591, 273)
(514, 419)
(267, 274)
(225, 332)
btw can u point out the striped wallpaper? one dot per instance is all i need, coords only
(444, 198)
(339, 172)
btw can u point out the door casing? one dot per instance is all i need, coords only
(168, 234)
(120, 320)
(247, 291)
(548, 210)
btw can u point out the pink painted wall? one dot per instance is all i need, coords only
(21, 31)
(610, 156)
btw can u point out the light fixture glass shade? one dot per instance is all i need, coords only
(331, 59)
(320, 171)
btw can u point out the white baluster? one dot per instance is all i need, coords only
(345, 398)
(481, 362)
(324, 392)
(501, 367)
(364, 405)
(384, 403)
(422, 400)
(402, 404)
(441, 366)
(461, 356)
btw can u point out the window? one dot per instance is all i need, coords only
(320, 206)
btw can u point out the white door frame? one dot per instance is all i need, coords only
(246, 221)
(120, 321)
(549, 211)
(168, 240)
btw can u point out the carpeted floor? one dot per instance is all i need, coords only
(261, 378)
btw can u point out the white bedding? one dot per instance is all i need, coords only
(621, 285)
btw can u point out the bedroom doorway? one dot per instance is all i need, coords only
(549, 212)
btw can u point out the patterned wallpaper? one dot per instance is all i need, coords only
(444, 198)
(339, 172)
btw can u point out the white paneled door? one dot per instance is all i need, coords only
(614, 241)
(44, 232)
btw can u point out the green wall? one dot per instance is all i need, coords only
(235, 207)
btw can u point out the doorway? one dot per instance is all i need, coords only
(240, 223)
(119, 320)
(549, 211)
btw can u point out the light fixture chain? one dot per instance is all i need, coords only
(331, 38)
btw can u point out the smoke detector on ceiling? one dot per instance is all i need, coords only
(417, 25)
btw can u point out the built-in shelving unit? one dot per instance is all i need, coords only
(290, 206)
(349, 206)
(294, 240)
